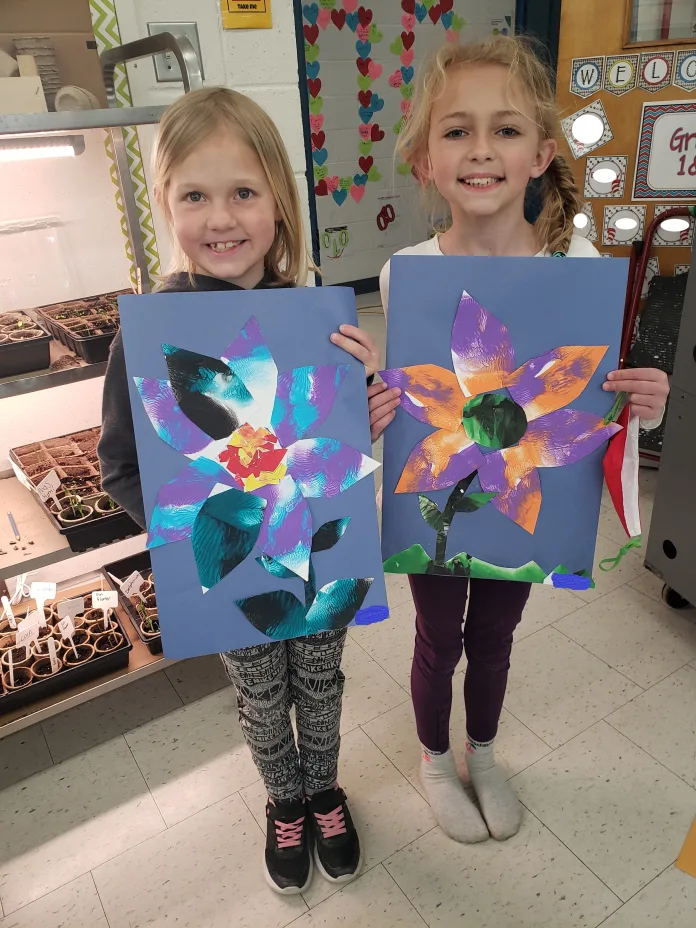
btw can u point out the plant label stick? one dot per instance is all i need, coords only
(71, 607)
(105, 600)
(131, 585)
(11, 666)
(41, 592)
(48, 487)
(53, 657)
(27, 631)
(7, 610)
(67, 630)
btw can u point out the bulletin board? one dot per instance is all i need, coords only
(647, 98)
(361, 62)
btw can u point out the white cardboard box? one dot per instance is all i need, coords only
(22, 95)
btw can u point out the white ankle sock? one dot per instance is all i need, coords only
(455, 813)
(501, 808)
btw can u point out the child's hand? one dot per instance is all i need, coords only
(361, 345)
(647, 388)
(382, 403)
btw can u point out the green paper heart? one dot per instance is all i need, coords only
(397, 46)
(458, 23)
(407, 91)
(311, 52)
(373, 174)
(399, 126)
(365, 148)
(327, 4)
(320, 172)
(428, 3)
(403, 169)
(375, 34)
(315, 106)
(345, 183)
(364, 82)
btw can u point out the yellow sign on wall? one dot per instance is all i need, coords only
(250, 14)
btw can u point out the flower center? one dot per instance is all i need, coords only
(254, 457)
(494, 420)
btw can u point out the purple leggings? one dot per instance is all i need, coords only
(495, 609)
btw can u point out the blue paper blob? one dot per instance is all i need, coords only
(371, 615)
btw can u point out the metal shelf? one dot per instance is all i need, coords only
(79, 121)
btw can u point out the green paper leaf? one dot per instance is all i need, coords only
(399, 126)
(458, 23)
(329, 534)
(365, 148)
(345, 183)
(316, 104)
(473, 502)
(364, 82)
(327, 4)
(428, 3)
(397, 46)
(430, 512)
(373, 174)
(311, 53)
(407, 91)
(403, 169)
(320, 171)
(459, 490)
(375, 34)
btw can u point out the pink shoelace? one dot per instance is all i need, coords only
(289, 834)
(332, 824)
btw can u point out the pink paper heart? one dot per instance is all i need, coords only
(363, 33)
(323, 18)
(350, 5)
(396, 79)
(316, 122)
(452, 36)
(332, 184)
(374, 70)
(405, 107)
(407, 58)
(365, 132)
(408, 21)
(357, 192)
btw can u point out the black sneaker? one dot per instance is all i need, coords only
(287, 859)
(337, 849)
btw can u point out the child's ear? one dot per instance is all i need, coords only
(545, 155)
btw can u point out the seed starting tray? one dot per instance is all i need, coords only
(121, 570)
(76, 316)
(31, 354)
(74, 459)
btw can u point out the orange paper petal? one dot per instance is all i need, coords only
(429, 393)
(555, 379)
(439, 461)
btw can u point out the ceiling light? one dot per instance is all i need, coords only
(32, 148)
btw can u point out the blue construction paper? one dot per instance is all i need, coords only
(544, 304)
(296, 325)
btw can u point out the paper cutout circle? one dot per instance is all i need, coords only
(494, 421)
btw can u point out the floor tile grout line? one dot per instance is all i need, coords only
(657, 876)
(251, 813)
(610, 666)
(374, 659)
(645, 751)
(48, 747)
(101, 902)
(529, 728)
(404, 894)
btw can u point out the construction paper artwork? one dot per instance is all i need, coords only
(256, 458)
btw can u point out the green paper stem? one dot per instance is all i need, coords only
(617, 408)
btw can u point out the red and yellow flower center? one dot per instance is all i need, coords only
(254, 457)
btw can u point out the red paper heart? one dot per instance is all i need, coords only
(338, 18)
(311, 33)
(408, 6)
(377, 135)
(363, 65)
(366, 164)
(408, 38)
(321, 190)
(446, 5)
(314, 86)
(365, 96)
(318, 139)
(434, 12)
(364, 16)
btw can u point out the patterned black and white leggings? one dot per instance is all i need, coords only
(269, 679)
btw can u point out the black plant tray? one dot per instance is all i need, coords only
(23, 357)
(91, 348)
(122, 569)
(71, 676)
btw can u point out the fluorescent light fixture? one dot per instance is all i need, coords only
(33, 148)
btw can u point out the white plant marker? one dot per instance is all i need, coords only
(67, 630)
(48, 488)
(71, 607)
(131, 585)
(51, 645)
(105, 600)
(11, 666)
(41, 592)
(27, 632)
(7, 611)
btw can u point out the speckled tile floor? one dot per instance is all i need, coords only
(144, 809)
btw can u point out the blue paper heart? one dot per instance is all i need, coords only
(340, 196)
(406, 73)
(320, 156)
(352, 21)
(446, 19)
(366, 113)
(311, 12)
(421, 12)
(312, 69)
(363, 49)
(377, 103)
(360, 180)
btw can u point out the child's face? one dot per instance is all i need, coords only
(223, 210)
(484, 145)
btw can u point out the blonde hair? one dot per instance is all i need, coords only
(561, 200)
(197, 115)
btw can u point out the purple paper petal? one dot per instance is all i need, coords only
(286, 533)
(304, 399)
(250, 359)
(325, 467)
(440, 460)
(429, 393)
(518, 494)
(180, 500)
(560, 438)
(482, 352)
(554, 379)
(167, 418)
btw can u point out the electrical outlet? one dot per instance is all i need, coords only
(166, 66)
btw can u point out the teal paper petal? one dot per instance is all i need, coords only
(335, 604)
(278, 615)
(224, 533)
(275, 568)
